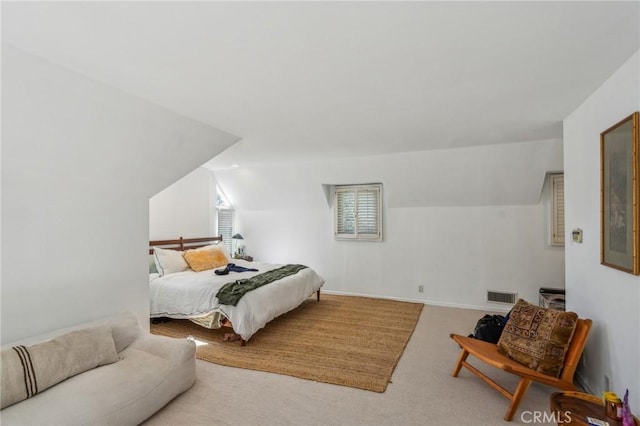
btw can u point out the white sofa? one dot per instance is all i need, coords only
(150, 372)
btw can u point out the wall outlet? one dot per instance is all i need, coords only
(607, 383)
(420, 289)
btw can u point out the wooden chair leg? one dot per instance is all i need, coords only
(462, 358)
(318, 295)
(521, 389)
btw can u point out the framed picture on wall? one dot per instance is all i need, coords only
(620, 188)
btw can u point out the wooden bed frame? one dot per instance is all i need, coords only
(183, 244)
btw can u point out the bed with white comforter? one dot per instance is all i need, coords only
(192, 295)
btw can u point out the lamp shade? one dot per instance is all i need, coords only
(237, 237)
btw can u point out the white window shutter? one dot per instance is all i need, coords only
(345, 213)
(225, 227)
(368, 213)
(358, 212)
(557, 207)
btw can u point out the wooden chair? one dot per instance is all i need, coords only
(488, 353)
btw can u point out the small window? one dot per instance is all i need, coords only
(358, 212)
(225, 227)
(557, 210)
(221, 200)
(224, 218)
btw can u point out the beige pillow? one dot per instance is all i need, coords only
(538, 337)
(212, 246)
(206, 258)
(28, 370)
(169, 261)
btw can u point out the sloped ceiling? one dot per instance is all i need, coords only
(504, 174)
(300, 80)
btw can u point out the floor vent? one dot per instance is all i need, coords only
(501, 297)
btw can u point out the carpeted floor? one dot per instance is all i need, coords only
(343, 340)
(422, 393)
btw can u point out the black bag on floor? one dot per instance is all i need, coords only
(489, 328)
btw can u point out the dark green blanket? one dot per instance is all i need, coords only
(230, 293)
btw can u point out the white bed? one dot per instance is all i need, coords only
(192, 295)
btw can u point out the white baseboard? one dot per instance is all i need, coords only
(504, 309)
(492, 308)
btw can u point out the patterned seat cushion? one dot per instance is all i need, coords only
(537, 337)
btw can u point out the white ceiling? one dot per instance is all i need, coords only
(300, 80)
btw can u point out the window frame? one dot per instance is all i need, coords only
(357, 235)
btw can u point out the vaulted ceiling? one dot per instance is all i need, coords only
(300, 80)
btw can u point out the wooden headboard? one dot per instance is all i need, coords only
(184, 243)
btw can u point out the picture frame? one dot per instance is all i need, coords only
(619, 190)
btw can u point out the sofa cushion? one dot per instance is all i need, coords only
(538, 337)
(176, 351)
(125, 329)
(28, 370)
(123, 393)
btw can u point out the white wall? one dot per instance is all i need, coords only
(186, 208)
(447, 223)
(79, 162)
(610, 297)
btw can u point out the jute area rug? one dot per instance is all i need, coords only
(344, 340)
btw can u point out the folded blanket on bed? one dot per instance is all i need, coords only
(231, 293)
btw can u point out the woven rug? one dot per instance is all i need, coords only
(344, 340)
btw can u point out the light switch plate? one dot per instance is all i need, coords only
(577, 235)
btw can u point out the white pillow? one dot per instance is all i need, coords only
(211, 246)
(169, 261)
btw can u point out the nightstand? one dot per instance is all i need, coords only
(573, 408)
(245, 257)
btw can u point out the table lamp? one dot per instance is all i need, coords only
(235, 238)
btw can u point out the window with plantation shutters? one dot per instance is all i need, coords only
(557, 210)
(224, 218)
(225, 227)
(358, 212)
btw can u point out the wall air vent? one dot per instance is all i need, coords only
(501, 297)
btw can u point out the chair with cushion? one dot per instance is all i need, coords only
(537, 344)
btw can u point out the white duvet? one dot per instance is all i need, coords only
(190, 294)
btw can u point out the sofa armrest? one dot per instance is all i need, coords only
(125, 330)
(176, 351)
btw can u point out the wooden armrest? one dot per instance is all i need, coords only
(487, 352)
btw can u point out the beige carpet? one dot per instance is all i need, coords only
(343, 340)
(422, 393)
